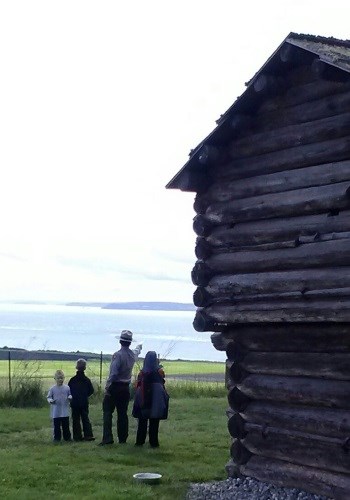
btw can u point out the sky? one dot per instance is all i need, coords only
(100, 105)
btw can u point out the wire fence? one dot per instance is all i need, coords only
(17, 365)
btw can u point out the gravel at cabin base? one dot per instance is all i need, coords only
(246, 488)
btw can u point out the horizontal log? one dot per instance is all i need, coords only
(313, 255)
(331, 105)
(344, 235)
(204, 249)
(201, 226)
(291, 136)
(286, 337)
(201, 298)
(239, 453)
(305, 296)
(320, 421)
(211, 155)
(297, 390)
(304, 93)
(296, 202)
(331, 366)
(285, 159)
(303, 281)
(238, 401)
(267, 84)
(221, 316)
(301, 448)
(322, 69)
(272, 230)
(286, 474)
(289, 54)
(193, 181)
(316, 175)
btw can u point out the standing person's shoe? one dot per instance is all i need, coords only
(89, 438)
(105, 443)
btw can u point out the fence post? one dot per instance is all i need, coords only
(10, 381)
(101, 369)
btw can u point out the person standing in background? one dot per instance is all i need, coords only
(59, 396)
(117, 392)
(151, 400)
(81, 389)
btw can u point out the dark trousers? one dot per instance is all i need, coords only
(118, 398)
(152, 431)
(57, 424)
(81, 414)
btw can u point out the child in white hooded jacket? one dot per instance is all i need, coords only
(58, 397)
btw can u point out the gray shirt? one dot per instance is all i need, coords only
(59, 397)
(122, 364)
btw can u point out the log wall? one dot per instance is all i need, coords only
(273, 279)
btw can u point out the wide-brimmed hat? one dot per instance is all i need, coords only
(126, 336)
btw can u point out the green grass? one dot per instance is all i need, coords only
(46, 369)
(194, 448)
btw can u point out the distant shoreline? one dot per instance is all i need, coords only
(131, 306)
(139, 306)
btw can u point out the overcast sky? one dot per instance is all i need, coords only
(100, 105)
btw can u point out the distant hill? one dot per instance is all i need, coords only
(140, 306)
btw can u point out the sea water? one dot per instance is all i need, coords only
(92, 329)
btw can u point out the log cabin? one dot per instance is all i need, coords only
(272, 203)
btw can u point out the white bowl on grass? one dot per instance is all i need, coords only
(148, 477)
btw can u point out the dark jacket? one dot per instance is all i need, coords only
(151, 399)
(81, 389)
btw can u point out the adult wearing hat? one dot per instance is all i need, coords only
(117, 392)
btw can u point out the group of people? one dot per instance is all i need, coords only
(151, 400)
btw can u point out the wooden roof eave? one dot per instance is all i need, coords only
(182, 180)
(192, 174)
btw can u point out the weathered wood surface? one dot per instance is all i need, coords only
(297, 202)
(286, 337)
(321, 254)
(285, 159)
(238, 401)
(286, 474)
(291, 136)
(321, 69)
(331, 366)
(300, 448)
(266, 84)
(300, 94)
(271, 230)
(331, 105)
(204, 250)
(296, 390)
(202, 298)
(279, 282)
(316, 175)
(218, 316)
(240, 454)
(319, 421)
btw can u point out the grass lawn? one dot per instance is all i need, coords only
(194, 447)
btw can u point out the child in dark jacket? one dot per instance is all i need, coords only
(81, 389)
